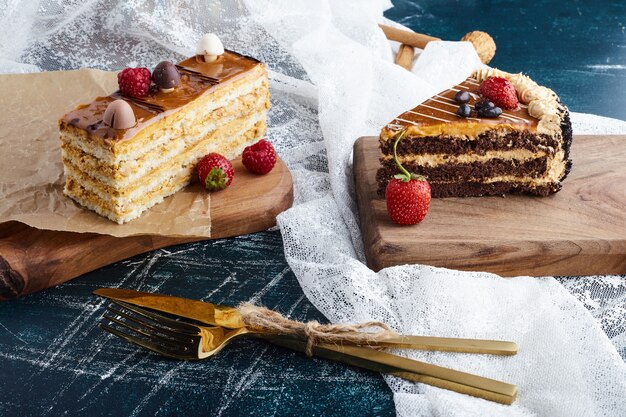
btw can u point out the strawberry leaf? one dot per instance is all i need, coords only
(216, 179)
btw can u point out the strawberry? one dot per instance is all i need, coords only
(407, 194)
(260, 157)
(408, 201)
(500, 91)
(215, 172)
(134, 82)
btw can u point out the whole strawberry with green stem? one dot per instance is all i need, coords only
(215, 172)
(407, 194)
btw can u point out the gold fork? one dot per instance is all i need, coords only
(183, 340)
(206, 313)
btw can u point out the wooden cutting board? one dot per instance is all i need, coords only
(580, 230)
(32, 259)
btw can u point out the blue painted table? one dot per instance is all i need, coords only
(55, 361)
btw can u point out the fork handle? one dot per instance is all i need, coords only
(412, 370)
(450, 344)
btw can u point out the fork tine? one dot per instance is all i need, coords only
(155, 337)
(185, 355)
(182, 337)
(177, 325)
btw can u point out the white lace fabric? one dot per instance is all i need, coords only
(332, 81)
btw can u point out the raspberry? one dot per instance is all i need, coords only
(134, 82)
(500, 91)
(215, 172)
(259, 158)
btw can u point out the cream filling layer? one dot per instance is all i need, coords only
(198, 109)
(505, 178)
(557, 166)
(460, 131)
(556, 169)
(433, 160)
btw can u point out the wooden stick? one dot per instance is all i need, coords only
(482, 42)
(416, 40)
(405, 55)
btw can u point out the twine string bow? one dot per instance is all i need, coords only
(265, 320)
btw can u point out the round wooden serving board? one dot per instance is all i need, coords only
(580, 230)
(32, 259)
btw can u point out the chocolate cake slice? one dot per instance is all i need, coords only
(524, 149)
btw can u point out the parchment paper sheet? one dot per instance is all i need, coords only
(31, 170)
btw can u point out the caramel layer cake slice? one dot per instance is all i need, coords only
(120, 170)
(525, 149)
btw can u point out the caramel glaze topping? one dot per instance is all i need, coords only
(442, 109)
(197, 78)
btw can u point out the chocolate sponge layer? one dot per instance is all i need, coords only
(488, 141)
(477, 171)
(478, 189)
(465, 180)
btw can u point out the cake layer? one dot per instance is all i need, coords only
(477, 171)
(479, 189)
(540, 176)
(499, 139)
(230, 139)
(90, 194)
(158, 133)
(93, 201)
(124, 173)
(543, 172)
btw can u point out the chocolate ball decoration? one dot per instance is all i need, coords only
(119, 115)
(166, 76)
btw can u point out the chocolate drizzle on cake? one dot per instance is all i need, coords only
(198, 74)
(151, 107)
(442, 108)
(202, 78)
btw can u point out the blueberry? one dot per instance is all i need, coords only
(490, 112)
(464, 110)
(479, 104)
(462, 97)
(483, 104)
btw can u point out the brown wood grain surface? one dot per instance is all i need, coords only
(32, 259)
(580, 230)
